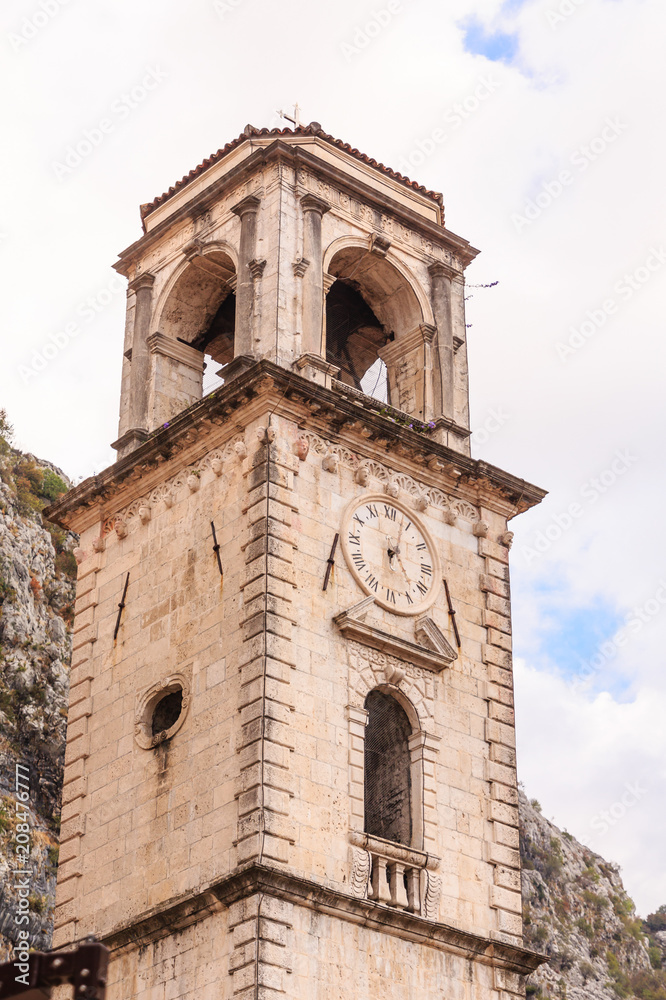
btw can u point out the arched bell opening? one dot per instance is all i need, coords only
(200, 312)
(354, 336)
(374, 328)
(217, 344)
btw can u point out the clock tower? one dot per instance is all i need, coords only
(290, 764)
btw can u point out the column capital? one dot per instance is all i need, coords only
(438, 269)
(311, 203)
(143, 280)
(248, 205)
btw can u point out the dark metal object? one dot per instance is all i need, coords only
(452, 615)
(216, 548)
(330, 561)
(85, 968)
(120, 608)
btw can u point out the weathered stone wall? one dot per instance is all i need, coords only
(266, 765)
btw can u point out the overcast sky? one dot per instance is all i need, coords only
(542, 123)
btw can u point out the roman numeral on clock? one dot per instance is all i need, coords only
(372, 582)
(390, 596)
(372, 510)
(359, 561)
(422, 587)
(426, 569)
(421, 546)
(354, 539)
(390, 512)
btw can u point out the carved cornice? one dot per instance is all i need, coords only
(375, 470)
(191, 907)
(352, 627)
(293, 395)
(170, 348)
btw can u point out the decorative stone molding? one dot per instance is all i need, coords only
(431, 635)
(300, 266)
(147, 702)
(431, 895)
(352, 208)
(127, 518)
(301, 448)
(366, 470)
(330, 462)
(368, 671)
(481, 529)
(360, 873)
(256, 268)
(379, 244)
(352, 626)
(170, 348)
(413, 885)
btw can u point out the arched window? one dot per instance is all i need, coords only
(388, 772)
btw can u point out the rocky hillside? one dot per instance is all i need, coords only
(37, 573)
(577, 912)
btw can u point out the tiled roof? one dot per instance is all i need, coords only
(277, 132)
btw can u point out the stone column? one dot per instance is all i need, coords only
(313, 279)
(137, 417)
(246, 210)
(441, 277)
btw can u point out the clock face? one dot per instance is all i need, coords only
(390, 554)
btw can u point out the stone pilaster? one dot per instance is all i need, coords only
(246, 210)
(73, 820)
(313, 279)
(441, 278)
(500, 769)
(261, 930)
(265, 782)
(137, 431)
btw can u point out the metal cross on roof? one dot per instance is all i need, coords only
(296, 120)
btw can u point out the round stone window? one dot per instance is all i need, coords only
(161, 711)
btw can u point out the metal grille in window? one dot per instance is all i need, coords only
(388, 780)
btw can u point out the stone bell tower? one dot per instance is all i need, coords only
(290, 764)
